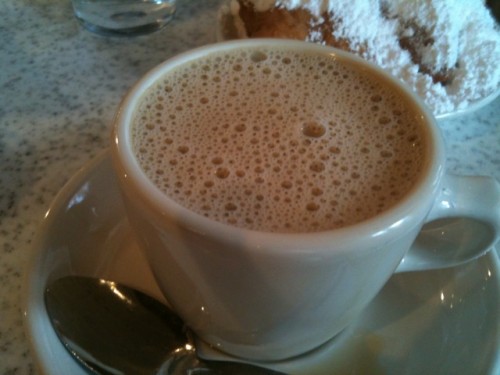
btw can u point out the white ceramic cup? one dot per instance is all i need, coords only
(270, 296)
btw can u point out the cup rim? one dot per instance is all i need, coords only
(414, 205)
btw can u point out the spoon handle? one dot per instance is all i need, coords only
(189, 364)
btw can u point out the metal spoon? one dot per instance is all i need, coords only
(113, 329)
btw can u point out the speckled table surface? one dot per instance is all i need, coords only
(60, 86)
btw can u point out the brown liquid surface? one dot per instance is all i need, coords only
(279, 141)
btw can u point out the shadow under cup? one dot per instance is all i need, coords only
(265, 295)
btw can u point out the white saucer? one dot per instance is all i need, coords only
(438, 322)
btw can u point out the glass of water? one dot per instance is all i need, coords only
(123, 17)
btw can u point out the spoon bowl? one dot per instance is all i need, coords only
(110, 328)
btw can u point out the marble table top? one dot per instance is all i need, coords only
(60, 86)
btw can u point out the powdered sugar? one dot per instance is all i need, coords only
(446, 50)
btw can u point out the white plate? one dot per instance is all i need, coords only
(224, 33)
(438, 322)
(472, 107)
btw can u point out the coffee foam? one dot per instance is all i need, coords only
(278, 141)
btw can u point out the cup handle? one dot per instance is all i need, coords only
(463, 224)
